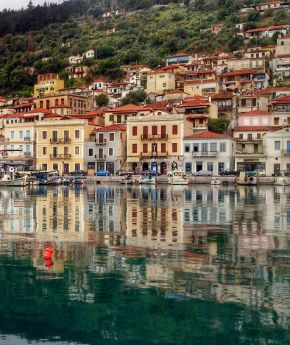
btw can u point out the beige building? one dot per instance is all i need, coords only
(201, 87)
(160, 81)
(61, 144)
(155, 141)
(47, 84)
(61, 103)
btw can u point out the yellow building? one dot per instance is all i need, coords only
(61, 144)
(64, 104)
(155, 141)
(119, 115)
(160, 81)
(47, 84)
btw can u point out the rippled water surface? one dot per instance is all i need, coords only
(142, 266)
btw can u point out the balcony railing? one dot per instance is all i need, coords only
(154, 136)
(151, 154)
(249, 140)
(2, 139)
(60, 141)
(60, 156)
(243, 153)
(27, 154)
(286, 152)
(204, 153)
(27, 138)
(101, 142)
(101, 157)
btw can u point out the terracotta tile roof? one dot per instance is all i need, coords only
(282, 100)
(251, 129)
(206, 135)
(269, 28)
(197, 116)
(95, 113)
(19, 106)
(282, 56)
(162, 105)
(179, 54)
(270, 90)
(129, 108)
(222, 95)
(18, 115)
(256, 112)
(114, 127)
(195, 101)
(238, 72)
(60, 107)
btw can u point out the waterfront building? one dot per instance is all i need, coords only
(155, 141)
(205, 150)
(108, 149)
(78, 104)
(18, 137)
(47, 84)
(250, 151)
(61, 144)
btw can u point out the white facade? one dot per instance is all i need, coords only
(213, 154)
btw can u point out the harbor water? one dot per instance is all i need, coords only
(165, 265)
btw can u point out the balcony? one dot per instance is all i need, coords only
(60, 141)
(151, 154)
(27, 154)
(286, 152)
(101, 157)
(249, 140)
(27, 139)
(2, 139)
(60, 156)
(204, 154)
(154, 136)
(246, 154)
(101, 142)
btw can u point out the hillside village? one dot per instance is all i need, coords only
(194, 112)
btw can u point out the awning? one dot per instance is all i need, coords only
(133, 160)
(14, 162)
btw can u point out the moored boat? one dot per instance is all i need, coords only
(9, 181)
(216, 182)
(281, 181)
(244, 180)
(178, 177)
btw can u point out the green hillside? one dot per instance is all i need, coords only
(142, 33)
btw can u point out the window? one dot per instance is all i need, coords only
(44, 135)
(163, 147)
(44, 151)
(241, 136)
(188, 167)
(27, 148)
(77, 134)
(250, 136)
(258, 135)
(54, 166)
(164, 84)
(213, 147)
(44, 167)
(145, 148)
(277, 144)
(91, 152)
(134, 148)
(243, 103)
(209, 166)
(154, 130)
(20, 147)
(134, 130)
(11, 134)
(204, 147)
(187, 148)
(111, 151)
(77, 167)
(20, 134)
(223, 147)
(195, 147)
(276, 121)
(111, 136)
(77, 150)
(174, 147)
(174, 129)
(111, 118)
(119, 118)
(221, 166)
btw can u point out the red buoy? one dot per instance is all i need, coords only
(48, 263)
(48, 253)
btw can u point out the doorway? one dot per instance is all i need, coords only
(145, 166)
(163, 168)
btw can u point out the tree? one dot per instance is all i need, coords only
(218, 125)
(102, 100)
(134, 97)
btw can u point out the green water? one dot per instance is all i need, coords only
(180, 265)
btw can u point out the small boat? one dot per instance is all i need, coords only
(127, 180)
(178, 177)
(66, 182)
(281, 181)
(76, 182)
(216, 182)
(31, 181)
(244, 180)
(9, 181)
(51, 181)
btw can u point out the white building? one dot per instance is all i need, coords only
(205, 150)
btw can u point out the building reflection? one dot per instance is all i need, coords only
(222, 244)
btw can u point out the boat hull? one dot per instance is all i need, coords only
(13, 183)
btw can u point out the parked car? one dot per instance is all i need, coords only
(78, 173)
(202, 173)
(124, 173)
(229, 172)
(250, 173)
(261, 172)
(103, 173)
(150, 172)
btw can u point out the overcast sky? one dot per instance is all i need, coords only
(16, 4)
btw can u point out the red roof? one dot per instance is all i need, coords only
(179, 54)
(114, 127)
(256, 112)
(238, 72)
(129, 108)
(269, 28)
(251, 129)
(206, 135)
(282, 100)
(270, 90)
(195, 101)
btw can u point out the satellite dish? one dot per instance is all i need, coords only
(11, 169)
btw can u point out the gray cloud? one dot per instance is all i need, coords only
(17, 4)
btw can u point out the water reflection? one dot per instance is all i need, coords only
(205, 251)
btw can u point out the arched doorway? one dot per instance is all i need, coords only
(134, 166)
(154, 166)
(145, 166)
(174, 166)
(163, 168)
